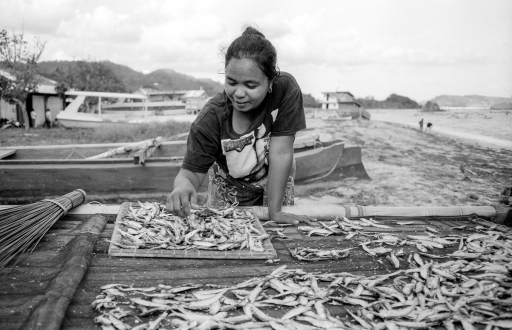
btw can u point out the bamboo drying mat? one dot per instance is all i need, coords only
(269, 253)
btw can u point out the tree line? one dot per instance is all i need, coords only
(393, 101)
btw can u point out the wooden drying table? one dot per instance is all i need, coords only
(58, 281)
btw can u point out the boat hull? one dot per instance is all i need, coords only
(84, 123)
(115, 180)
(95, 121)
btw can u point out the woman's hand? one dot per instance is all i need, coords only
(184, 194)
(293, 219)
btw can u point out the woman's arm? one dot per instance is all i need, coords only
(280, 163)
(184, 192)
(280, 160)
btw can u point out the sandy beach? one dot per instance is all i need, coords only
(483, 126)
(412, 169)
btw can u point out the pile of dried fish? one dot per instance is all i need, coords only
(472, 289)
(179, 305)
(152, 227)
(352, 228)
(469, 288)
(342, 226)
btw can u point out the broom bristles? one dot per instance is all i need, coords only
(22, 227)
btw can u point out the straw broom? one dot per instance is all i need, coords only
(22, 227)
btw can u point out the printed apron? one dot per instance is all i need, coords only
(225, 191)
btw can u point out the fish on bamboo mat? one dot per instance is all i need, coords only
(148, 230)
(463, 292)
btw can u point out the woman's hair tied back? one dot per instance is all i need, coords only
(253, 45)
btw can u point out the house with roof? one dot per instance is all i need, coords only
(195, 100)
(344, 104)
(7, 110)
(339, 100)
(45, 97)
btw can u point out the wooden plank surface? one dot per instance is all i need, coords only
(35, 271)
(152, 271)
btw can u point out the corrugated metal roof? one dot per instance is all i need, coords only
(194, 93)
(104, 94)
(338, 93)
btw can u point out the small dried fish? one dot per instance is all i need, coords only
(472, 286)
(375, 251)
(151, 227)
(394, 260)
(310, 254)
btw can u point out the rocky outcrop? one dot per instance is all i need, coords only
(430, 107)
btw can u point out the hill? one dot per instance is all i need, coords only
(393, 101)
(469, 100)
(163, 79)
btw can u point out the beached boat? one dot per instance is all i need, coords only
(28, 172)
(160, 103)
(139, 110)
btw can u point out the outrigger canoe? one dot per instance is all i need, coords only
(29, 172)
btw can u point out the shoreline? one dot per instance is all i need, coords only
(482, 140)
(478, 127)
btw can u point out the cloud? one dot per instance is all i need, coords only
(346, 48)
(39, 17)
(326, 43)
(102, 25)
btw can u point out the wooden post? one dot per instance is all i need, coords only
(128, 148)
(99, 106)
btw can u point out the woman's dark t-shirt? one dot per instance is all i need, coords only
(244, 156)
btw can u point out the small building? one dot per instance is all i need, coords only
(339, 100)
(344, 104)
(7, 110)
(45, 97)
(195, 100)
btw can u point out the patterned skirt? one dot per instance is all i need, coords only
(225, 191)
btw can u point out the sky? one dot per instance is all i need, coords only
(418, 49)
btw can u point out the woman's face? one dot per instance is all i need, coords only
(245, 85)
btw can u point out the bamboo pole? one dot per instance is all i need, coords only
(329, 211)
(146, 152)
(129, 148)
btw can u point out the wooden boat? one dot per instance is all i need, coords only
(156, 103)
(160, 103)
(74, 116)
(29, 172)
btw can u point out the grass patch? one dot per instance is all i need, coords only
(133, 133)
(113, 134)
